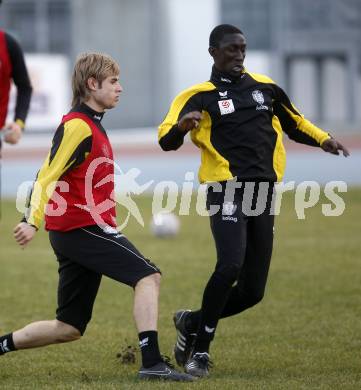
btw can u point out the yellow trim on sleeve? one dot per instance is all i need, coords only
(75, 131)
(213, 167)
(178, 104)
(20, 122)
(279, 153)
(305, 126)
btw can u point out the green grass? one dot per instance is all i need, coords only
(305, 334)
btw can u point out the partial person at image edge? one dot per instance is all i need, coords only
(13, 68)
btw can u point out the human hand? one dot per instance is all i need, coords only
(189, 121)
(332, 146)
(13, 133)
(23, 233)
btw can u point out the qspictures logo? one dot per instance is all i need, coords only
(168, 196)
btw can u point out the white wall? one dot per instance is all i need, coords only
(190, 23)
(51, 98)
(258, 61)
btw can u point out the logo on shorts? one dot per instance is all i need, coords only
(226, 106)
(228, 209)
(111, 230)
(258, 97)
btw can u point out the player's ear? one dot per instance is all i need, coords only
(92, 84)
(212, 51)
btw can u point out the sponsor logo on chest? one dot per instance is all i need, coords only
(226, 106)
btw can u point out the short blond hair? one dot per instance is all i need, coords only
(97, 65)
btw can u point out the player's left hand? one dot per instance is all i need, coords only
(23, 233)
(332, 146)
(13, 133)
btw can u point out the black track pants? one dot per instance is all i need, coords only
(244, 247)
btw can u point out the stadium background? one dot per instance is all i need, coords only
(306, 333)
(311, 48)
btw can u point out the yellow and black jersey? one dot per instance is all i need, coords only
(72, 143)
(240, 134)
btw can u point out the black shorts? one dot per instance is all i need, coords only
(84, 255)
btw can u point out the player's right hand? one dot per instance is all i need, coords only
(333, 146)
(13, 133)
(23, 233)
(189, 121)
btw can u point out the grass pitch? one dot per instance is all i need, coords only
(306, 334)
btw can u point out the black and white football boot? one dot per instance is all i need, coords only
(198, 365)
(164, 371)
(185, 340)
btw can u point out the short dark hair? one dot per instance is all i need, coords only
(220, 31)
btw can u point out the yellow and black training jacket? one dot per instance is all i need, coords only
(240, 134)
(67, 188)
